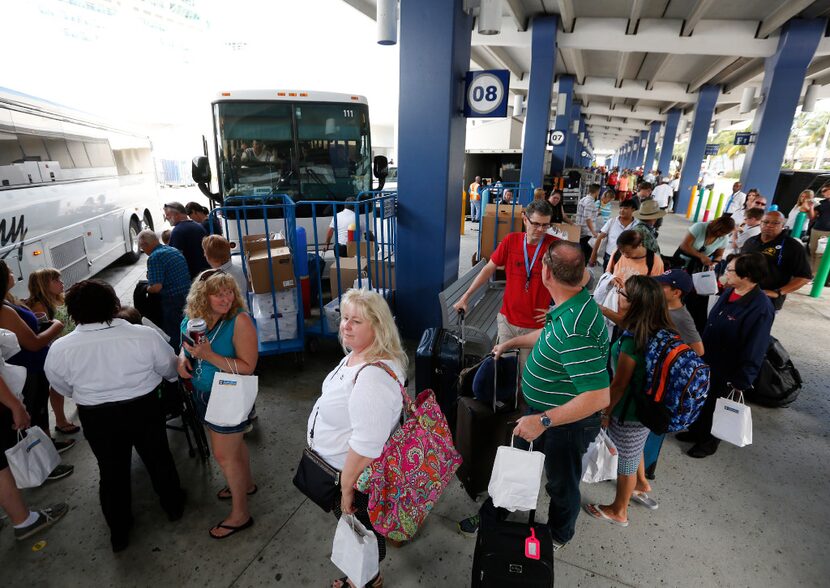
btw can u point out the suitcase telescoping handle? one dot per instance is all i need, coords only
(496, 378)
(461, 315)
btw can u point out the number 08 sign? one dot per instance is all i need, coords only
(485, 94)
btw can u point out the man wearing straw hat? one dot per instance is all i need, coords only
(648, 215)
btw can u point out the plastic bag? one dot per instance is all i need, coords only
(706, 283)
(732, 420)
(355, 550)
(600, 460)
(33, 458)
(516, 478)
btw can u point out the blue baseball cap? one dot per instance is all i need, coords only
(677, 278)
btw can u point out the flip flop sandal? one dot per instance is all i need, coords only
(376, 582)
(645, 500)
(595, 511)
(69, 429)
(225, 493)
(233, 530)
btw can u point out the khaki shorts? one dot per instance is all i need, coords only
(508, 331)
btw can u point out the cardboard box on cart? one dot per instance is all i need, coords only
(348, 273)
(566, 232)
(505, 225)
(257, 253)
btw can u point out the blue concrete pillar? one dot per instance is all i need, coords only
(435, 54)
(563, 119)
(654, 130)
(537, 119)
(669, 135)
(576, 115)
(707, 96)
(783, 78)
(629, 156)
(640, 154)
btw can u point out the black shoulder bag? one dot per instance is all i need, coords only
(316, 478)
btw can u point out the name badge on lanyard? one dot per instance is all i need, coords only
(529, 264)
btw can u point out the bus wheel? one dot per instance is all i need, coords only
(134, 253)
(147, 221)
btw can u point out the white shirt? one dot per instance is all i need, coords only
(237, 273)
(735, 202)
(613, 228)
(661, 195)
(675, 184)
(344, 218)
(360, 416)
(98, 363)
(747, 234)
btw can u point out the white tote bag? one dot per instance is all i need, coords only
(33, 458)
(605, 283)
(232, 397)
(355, 550)
(706, 283)
(9, 346)
(516, 478)
(600, 460)
(732, 420)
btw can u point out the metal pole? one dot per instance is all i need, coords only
(720, 206)
(798, 225)
(691, 202)
(821, 275)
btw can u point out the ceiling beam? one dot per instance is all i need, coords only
(712, 37)
(710, 72)
(662, 65)
(518, 13)
(616, 123)
(634, 89)
(647, 113)
(566, 15)
(504, 60)
(634, 18)
(364, 6)
(695, 16)
(818, 66)
(622, 68)
(778, 17)
(575, 58)
(752, 69)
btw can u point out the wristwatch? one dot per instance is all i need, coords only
(545, 420)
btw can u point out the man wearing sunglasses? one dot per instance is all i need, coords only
(789, 268)
(521, 256)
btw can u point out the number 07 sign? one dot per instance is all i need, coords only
(485, 94)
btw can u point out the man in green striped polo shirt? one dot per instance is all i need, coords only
(565, 383)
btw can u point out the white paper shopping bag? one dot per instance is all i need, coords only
(232, 397)
(600, 460)
(33, 458)
(732, 420)
(516, 478)
(355, 550)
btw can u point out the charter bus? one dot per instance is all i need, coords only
(74, 192)
(308, 145)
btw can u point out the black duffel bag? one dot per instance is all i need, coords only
(778, 382)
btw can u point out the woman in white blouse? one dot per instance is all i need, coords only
(359, 408)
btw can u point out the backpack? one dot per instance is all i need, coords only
(677, 382)
(778, 382)
(649, 259)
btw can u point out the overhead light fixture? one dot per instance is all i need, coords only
(747, 100)
(387, 17)
(643, 143)
(582, 136)
(575, 127)
(810, 97)
(518, 104)
(561, 103)
(489, 17)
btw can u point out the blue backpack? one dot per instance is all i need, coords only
(677, 382)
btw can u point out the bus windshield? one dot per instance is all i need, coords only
(308, 150)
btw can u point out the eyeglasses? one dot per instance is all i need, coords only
(207, 274)
(773, 223)
(545, 226)
(759, 203)
(730, 270)
(623, 294)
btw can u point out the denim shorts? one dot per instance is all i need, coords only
(200, 399)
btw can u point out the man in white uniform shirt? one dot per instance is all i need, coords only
(736, 201)
(112, 370)
(662, 193)
(343, 219)
(612, 230)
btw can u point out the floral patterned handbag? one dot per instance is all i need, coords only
(416, 465)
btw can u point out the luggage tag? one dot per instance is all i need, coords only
(532, 545)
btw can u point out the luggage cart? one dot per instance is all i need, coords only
(277, 311)
(178, 404)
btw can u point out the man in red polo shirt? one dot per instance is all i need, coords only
(525, 297)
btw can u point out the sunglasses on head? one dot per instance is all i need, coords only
(210, 273)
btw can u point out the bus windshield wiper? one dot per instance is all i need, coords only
(313, 174)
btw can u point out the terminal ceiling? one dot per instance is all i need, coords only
(634, 60)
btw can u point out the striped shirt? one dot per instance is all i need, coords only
(570, 356)
(586, 209)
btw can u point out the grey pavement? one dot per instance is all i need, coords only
(755, 516)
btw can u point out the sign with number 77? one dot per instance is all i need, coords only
(485, 93)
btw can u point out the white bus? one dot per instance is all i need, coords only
(308, 145)
(74, 192)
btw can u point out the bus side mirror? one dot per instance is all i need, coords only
(200, 170)
(380, 167)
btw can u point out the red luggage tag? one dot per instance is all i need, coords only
(532, 545)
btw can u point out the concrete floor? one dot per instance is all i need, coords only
(750, 517)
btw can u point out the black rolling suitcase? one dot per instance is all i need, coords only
(504, 558)
(481, 427)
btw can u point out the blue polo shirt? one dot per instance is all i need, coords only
(167, 266)
(187, 237)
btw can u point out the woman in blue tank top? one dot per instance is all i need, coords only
(229, 345)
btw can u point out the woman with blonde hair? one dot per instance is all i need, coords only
(228, 345)
(805, 204)
(360, 404)
(46, 298)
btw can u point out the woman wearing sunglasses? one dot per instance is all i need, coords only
(229, 344)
